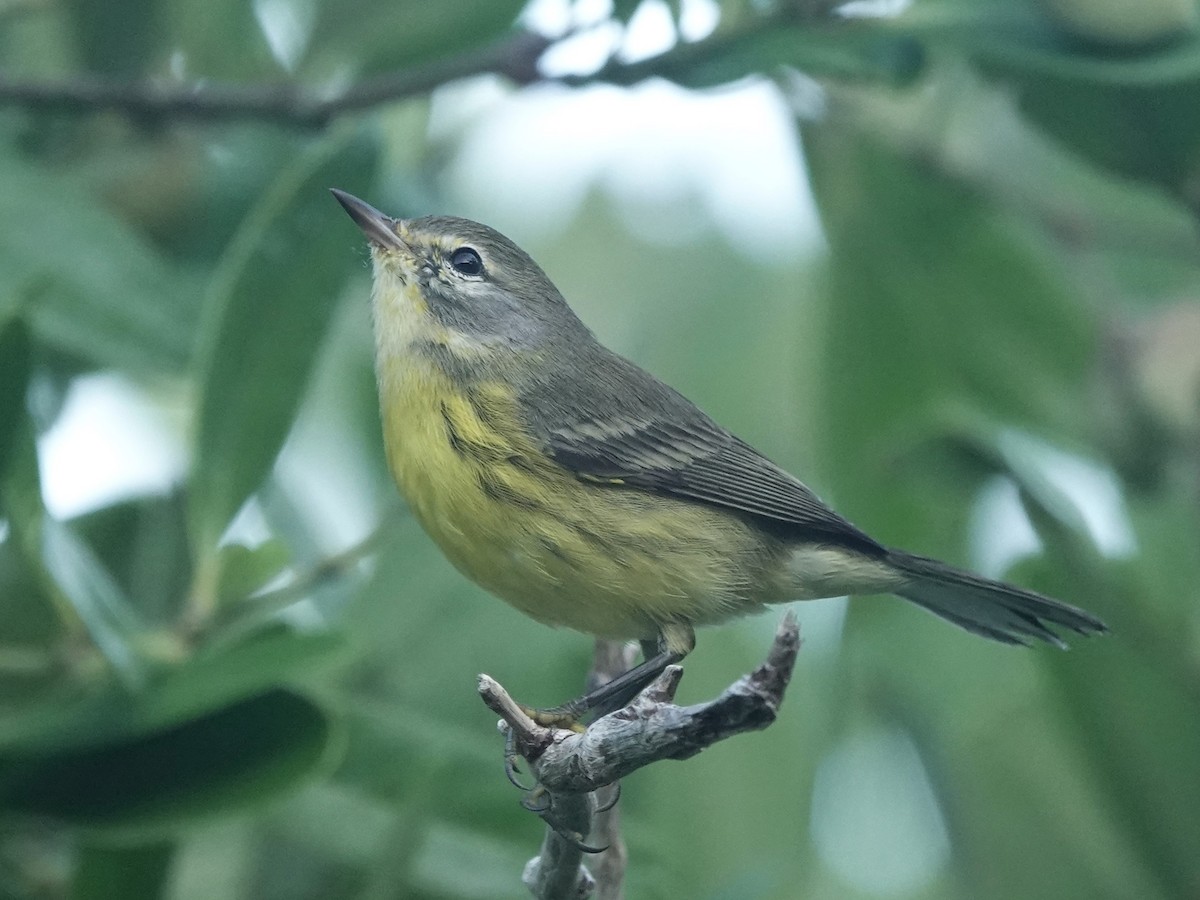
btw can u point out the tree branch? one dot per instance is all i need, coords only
(608, 867)
(570, 767)
(515, 57)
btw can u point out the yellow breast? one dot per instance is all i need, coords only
(603, 560)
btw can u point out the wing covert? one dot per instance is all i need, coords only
(698, 460)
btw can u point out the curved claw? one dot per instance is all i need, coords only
(542, 810)
(530, 803)
(575, 839)
(616, 795)
(510, 762)
(511, 771)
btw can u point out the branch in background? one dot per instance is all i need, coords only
(569, 767)
(242, 618)
(515, 57)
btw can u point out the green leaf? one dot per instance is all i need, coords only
(938, 307)
(116, 38)
(1129, 109)
(206, 682)
(1140, 129)
(16, 361)
(436, 751)
(833, 51)
(1032, 47)
(1122, 700)
(217, 39)
(118, 872)
(28, 613)
(213, 678)
(143, 543)
(271, 302)
(404, 33)
(231, 759)
(93, 287)
(246, 569)
(70, 575)
(1119, 695)
(34, 610)
(623, 10)
(104, 609)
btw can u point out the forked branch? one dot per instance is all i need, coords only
(570, 767)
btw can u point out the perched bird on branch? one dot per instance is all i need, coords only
(585, 492)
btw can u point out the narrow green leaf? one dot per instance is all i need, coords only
(934, 298)
(1128, 109)
(116, 39)
(121, 871)
(1119, 695)
(270, 303)
(204, 683)
(246, 569)
(209, 680)
(231, 759)
(15, 363)
(384, 37)
(1138, 131)
(143, 543)
(29, 619)
(68, 572)
(822, 52)
(1137, 724)
(1050, 54)
(1023, 35)
(34, 608)
(101, 293)
(218, 38)
(105, 610)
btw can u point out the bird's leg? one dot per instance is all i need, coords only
(675, 641)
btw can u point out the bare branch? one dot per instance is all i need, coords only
(515, 57)
(570, 766)
(244, 617)
(557, 872)
(611, 659)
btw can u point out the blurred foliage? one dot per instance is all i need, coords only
(215, 692)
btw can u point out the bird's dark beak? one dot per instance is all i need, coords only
(379, 229)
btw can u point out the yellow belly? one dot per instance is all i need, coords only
(605, 560)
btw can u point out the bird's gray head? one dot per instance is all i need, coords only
(442, 275)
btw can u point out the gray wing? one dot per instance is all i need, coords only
(691, 457)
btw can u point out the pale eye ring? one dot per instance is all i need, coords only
(467, 261)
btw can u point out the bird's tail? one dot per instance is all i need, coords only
(993, 609)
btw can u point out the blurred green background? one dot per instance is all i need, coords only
(939, 257)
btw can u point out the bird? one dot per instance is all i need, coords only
(582, 490)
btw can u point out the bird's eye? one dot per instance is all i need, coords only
(466, 261)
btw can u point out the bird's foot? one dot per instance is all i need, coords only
(540, 802)
(566, 716)
(511, 767)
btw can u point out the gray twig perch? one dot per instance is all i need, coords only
(570, 767)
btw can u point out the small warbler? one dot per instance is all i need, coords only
(585, 492)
